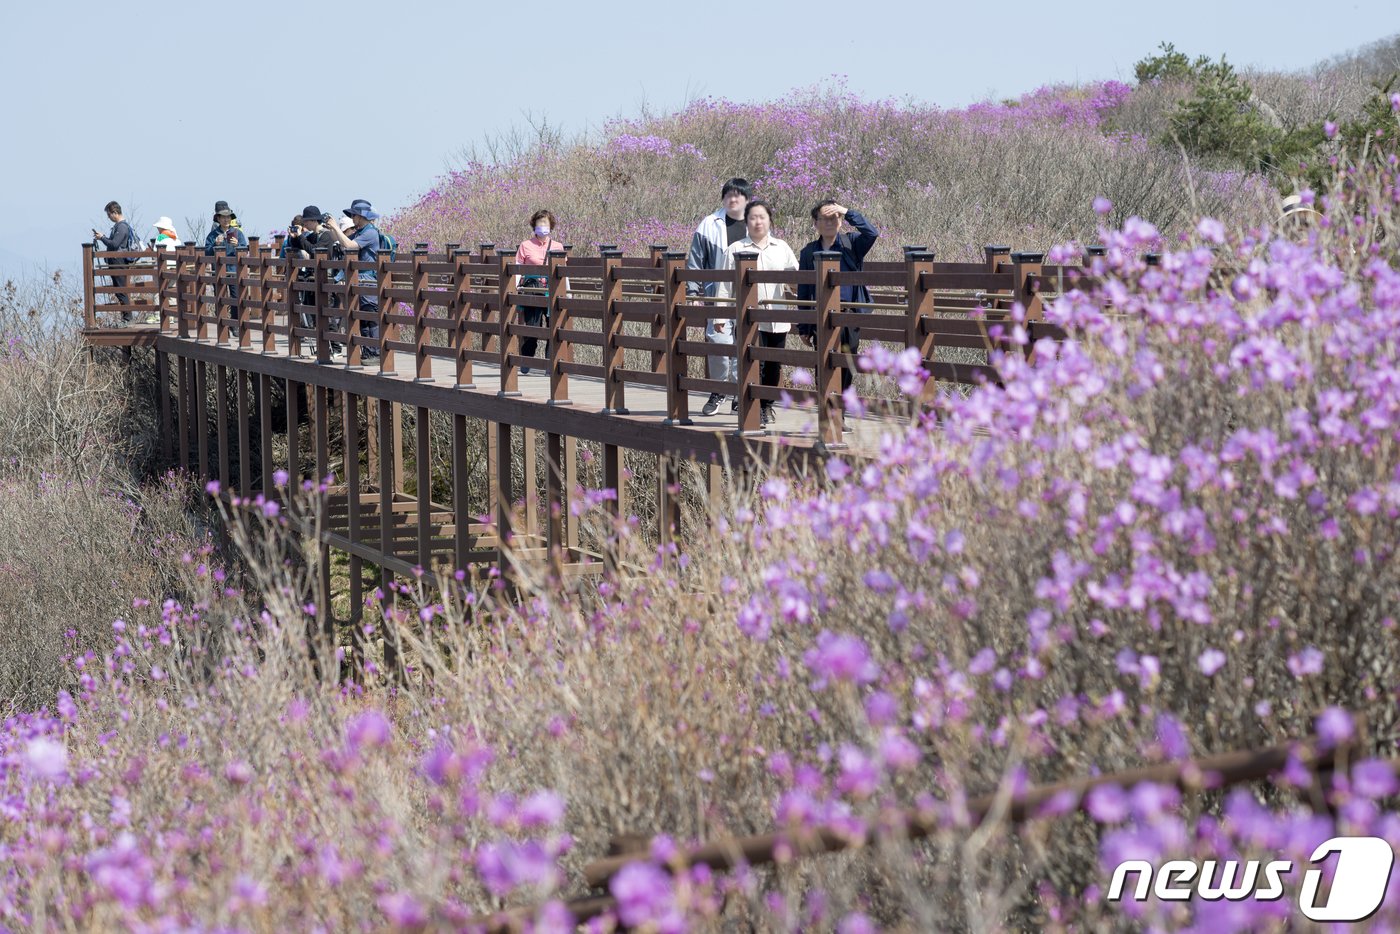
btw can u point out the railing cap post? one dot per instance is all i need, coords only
(1095, 249)
(826, 255)
(1027, 257)
(914, 248)
(678, 255)
(611, 252)
(1152, 259)
(920, 256)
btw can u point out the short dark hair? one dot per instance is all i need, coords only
(821, 204)
(759, 203)
(535, 219)
(113, 208)
(741, 185)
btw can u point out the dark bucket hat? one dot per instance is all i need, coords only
(221, 207)
(361, 207)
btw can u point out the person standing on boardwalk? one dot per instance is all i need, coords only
(121, 238)
(230, 239)
(363, 238)
(535, 252)
(826, 218)
(303, 240)
(774, 255)
(715, 234)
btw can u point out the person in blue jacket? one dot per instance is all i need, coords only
(228, 239)
(826, 218)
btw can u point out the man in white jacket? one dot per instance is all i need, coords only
(707, 251)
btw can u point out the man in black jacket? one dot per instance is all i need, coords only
(121, 238)
(310, 237)
(826, 218)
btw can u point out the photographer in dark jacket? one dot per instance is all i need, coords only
(302, 242)
(826, 218)
(121, 238)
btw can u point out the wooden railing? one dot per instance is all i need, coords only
(624, 320)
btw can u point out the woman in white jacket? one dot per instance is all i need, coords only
(773, 255)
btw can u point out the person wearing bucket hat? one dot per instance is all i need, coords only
(227, 238)
(165, 234)
(312, 236)
(363, 238)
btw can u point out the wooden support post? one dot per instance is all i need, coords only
(387, 331)
(570, 485)
(201, 417)
(167, 427)
(246, 260)
(461, 515)
(321, 431)
(350, 417)
(371, 440)
(386, 537)
(245, 458)
(269, 311)
(507, 343)
(556, 503)
(488, 335)
(745, 341)
(614, 397)
(293, 434)
(182, 405)
(677, 399)
(265, 466)
(830, 412)
(89, 287)
(424, 513)
(505, 497)
(422, 334)
(461, 314)
(1025, 268)
(397, 434)
(659, 329)
(560, 349)
(221, 416)
(920, 305)
(613, 479)
(530, 488)
(668, 499)
(321, 277)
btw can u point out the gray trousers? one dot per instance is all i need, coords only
(724, 369)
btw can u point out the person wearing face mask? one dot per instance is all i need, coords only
(535, 252)
(774, 255)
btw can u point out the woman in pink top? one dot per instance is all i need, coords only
(535, 252)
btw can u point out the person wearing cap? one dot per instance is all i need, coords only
(165, 234)
(303, 241)
(165, 240)
(227, 238)
(363, 238)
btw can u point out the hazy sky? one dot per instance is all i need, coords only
(167, 107)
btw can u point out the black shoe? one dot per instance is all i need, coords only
(766, 416)
(733, 404)
(712, 405)
(524, 371)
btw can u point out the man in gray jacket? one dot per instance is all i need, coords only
(707, 246)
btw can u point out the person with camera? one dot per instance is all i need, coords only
(363, 238)
(227, 239)
(308, 234)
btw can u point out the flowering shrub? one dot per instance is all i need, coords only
(1169, 535)
(1018, 172)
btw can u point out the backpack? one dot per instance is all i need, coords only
(387, 244)
(134, 243)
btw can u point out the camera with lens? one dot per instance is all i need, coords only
(327, 218)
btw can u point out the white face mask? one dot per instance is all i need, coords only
(542, 231)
